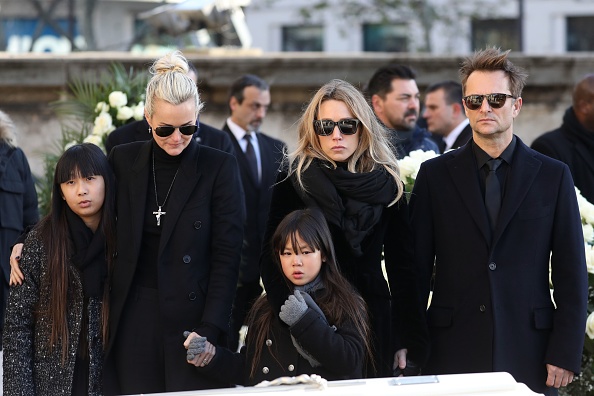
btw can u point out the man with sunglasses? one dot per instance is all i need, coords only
(395, 99)
(259, 157)
(573, 141)
(488, 219)
(139, 131)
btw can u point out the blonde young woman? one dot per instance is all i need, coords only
(344, 166)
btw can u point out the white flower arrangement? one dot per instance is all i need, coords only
(410, 165)
(111, 115)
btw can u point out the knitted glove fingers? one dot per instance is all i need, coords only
(293, 309)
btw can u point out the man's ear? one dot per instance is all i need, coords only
(377, 103)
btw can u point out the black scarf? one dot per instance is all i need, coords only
(89, 254)
(352, 201)
(577, 131)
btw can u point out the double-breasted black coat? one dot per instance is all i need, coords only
(199, 249)
(491, 308)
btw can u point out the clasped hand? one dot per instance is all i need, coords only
(199, 351)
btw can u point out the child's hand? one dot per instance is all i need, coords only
(293, 309)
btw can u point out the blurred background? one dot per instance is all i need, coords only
(296, 45)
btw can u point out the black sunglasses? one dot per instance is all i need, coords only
(164, 131)
(495, 100)
(346, 126)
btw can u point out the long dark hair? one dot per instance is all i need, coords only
(339, 300)
(81, 160)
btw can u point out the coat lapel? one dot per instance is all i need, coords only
(181, 191)
(462, 169)
(520, 177)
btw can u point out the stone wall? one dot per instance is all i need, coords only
(28, 83)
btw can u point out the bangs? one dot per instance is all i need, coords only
(80, 161)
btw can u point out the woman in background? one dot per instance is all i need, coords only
(18, 198)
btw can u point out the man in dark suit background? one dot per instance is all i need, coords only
(259, 157)
(573, 141)
(489, 236)
(445, 116)
(139, 131)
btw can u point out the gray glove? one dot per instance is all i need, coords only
(293, 309)
(196, 347)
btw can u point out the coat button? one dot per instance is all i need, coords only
(291, 367)
(192, 296)
(268, 343)
(197, 224)
(265, 370)
(187, 259)
(492, 266)
(482, 308)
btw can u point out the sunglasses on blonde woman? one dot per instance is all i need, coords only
(495, 100)
(164, 131)
(346, 126)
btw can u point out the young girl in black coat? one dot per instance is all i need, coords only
(322, 327)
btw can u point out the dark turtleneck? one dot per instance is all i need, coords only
(165, 168)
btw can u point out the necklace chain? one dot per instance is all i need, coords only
(159, 212)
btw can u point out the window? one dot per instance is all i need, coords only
(384, 38)
(303, 38)
(580, 31)
(502, 33)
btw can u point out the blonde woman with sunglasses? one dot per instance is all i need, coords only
(344, 166)
(180, 231)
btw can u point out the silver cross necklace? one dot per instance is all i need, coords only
(159, 212)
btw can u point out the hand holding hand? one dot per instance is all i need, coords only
(199, 351)
(293, 308)
(16, 276)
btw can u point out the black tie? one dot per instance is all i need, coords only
(250, 155)
(493, 191)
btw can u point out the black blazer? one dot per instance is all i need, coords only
(257, 199)
(138, 131)
(199, 249)
(460, 141)
(491, 308)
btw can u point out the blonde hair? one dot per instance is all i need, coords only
(7, 130)
(373, 150)
(171, 83)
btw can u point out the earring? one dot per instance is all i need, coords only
(150, 130)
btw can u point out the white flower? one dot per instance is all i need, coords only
(101, 107)
(125, 113)
(95, 139)
(409, 165)
(103, 124)
(590, 258)
(588, 233)
(118, 99)
(590, 326)
(586, 208)
(139, 111)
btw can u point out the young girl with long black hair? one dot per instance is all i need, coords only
(56, 320)
(322, 327)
